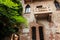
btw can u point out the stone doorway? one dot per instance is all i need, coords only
(37, 31)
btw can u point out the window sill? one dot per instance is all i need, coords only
(27, 13)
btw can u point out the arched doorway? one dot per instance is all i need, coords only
(33, 33)
(41, 33)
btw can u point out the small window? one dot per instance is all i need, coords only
(57, 5)
(39, 6)
(27, 9)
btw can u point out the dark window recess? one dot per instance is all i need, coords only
(49, 18)
(39, 6)
(41, 33)
(57, 4)
(33, 33)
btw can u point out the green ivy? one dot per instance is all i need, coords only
(10, 15)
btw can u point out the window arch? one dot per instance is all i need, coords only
(27, 9)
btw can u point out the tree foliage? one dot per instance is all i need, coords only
(10, 15)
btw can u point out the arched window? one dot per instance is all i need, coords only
(57, 5)
(27, 9)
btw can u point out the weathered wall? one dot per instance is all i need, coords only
(55, 26)
(30, 16)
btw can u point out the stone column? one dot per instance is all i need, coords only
(30, 33)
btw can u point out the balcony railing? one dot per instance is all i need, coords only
(42, 10)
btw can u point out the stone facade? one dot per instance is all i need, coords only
(39, 11)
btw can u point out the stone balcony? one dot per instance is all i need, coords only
(42, 10)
